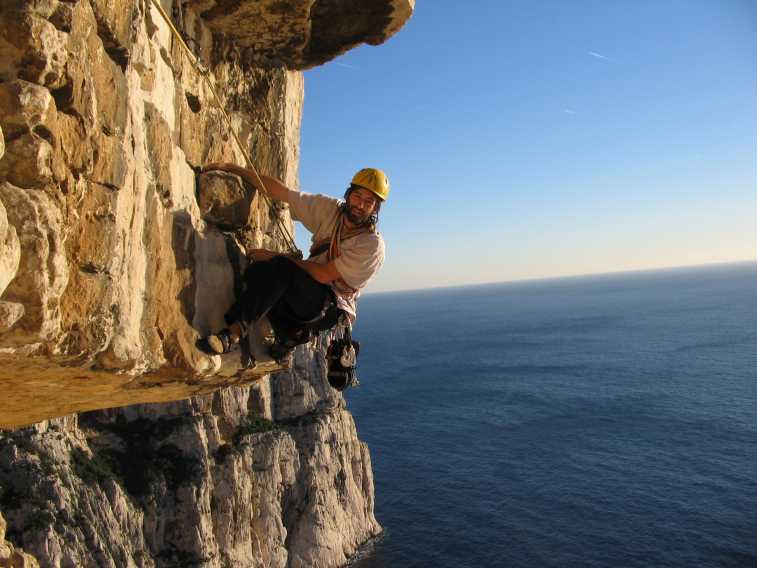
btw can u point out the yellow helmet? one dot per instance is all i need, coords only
(374, 181)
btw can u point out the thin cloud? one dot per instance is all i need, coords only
(599, 56)
(569, 111)
(344, 65)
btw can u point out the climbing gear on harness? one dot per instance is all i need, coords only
(206, 74)
(341, 357)
(374, 180)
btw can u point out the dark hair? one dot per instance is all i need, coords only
(373, 219)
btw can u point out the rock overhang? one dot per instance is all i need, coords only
(301, 34)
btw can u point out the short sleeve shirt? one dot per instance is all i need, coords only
(360, 257)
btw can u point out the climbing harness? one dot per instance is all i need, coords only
(204, 71)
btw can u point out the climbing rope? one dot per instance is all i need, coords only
(206, 75)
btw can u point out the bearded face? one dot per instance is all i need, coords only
(361, 205)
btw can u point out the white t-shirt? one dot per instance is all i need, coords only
(360, 256)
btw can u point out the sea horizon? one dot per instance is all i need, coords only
(558, 278)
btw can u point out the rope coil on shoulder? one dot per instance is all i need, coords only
(206, 74)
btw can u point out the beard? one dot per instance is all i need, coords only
(354, 217)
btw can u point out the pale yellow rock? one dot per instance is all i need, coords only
(10, 313)
(132, 275)
(43, 271)
(2, 143)
(10, 255)
(77, 151)
(224, 200)
(142, 275)
(30, 121)
(43, 8)
(28, 107)
(28, 162)
(110, 164)
(31, 48)
(10, 251)
(115, 17)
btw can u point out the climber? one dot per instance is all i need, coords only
(302, 297)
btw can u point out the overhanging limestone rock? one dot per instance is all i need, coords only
(304, 33)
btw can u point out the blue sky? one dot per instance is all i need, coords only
(529, 139)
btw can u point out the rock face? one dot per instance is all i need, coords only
(115, 257)
(109, 271)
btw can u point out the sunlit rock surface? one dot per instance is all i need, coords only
(304, 33)
(110, 273)
(115, 256)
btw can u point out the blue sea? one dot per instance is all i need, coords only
(603, 421)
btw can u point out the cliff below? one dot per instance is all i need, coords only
(205, 482)
(115, 257)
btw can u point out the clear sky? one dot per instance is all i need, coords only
(528, 139)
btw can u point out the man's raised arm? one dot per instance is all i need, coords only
(273, 187)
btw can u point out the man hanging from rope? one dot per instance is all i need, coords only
(302, 297)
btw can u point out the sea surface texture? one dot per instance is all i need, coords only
(599, 421)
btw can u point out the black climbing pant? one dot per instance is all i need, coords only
(290, 297)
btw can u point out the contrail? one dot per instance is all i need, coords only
(599, 55)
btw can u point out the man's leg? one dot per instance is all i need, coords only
(267, 284)
(305, 297)
(294, 316)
